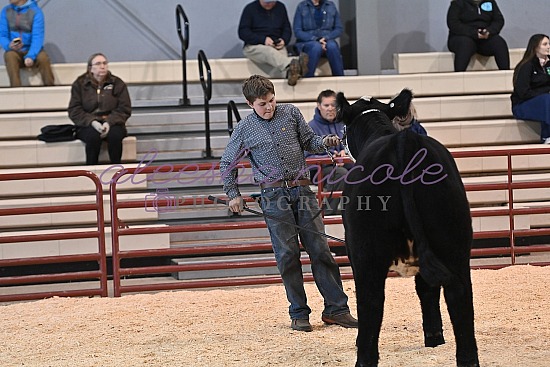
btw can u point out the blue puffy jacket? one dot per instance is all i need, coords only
(26, 22)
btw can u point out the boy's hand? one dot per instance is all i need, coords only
(331, 140)
(236, 205)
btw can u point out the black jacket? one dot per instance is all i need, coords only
(464, 18)
(258, 23)
(531, 80)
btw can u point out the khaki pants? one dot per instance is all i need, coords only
(16, 60)
(267, 55)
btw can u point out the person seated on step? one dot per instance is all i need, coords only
(99, 107)
(409, 121)
(531, 95)
(265, 30)
(22, 37)
(324, 122)
(474, 27)
(317, 25)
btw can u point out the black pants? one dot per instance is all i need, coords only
(93, 141)
(465, 47)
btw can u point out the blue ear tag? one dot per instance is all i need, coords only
(487, 6)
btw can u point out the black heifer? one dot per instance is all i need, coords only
(406, 204)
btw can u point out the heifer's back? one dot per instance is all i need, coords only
(406, 199)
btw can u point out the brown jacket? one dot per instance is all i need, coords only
(109, 101)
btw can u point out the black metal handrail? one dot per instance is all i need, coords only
(184, 40)
(232, 111)
(207, 92)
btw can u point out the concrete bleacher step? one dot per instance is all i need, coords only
(484, 132)
(538, 220)
(498, 223)
(74, 185)
(173, 148)
(487, 165)
(33, 153)
(438, 62)
(224, 273)
(27, 125)
(162, 71)
(17, 250)
(381, 86)
(500, 197)
(127, 215)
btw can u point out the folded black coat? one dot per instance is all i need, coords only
(55, 133)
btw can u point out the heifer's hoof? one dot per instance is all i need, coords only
(432, 340)
(467, 364)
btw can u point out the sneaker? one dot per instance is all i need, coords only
(301, 325)
(546, 141)
(344, 320)
(303, 59)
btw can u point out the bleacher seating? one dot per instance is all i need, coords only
(32, 153)
(442, 62)
(166, 71)
(465, 111)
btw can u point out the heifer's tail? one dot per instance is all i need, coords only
(434, 272)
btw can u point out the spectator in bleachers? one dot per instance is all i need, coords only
(531, 95)
(317, 25)
(324, 123)
(22, 38)
(265, 30)
(410, 121)
(99, 106)
(274, 138)
(474, 27)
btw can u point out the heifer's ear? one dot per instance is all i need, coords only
(343, 108)
(399, 106)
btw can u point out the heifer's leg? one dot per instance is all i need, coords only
(431, 312)
(370, 277)
(458, 295)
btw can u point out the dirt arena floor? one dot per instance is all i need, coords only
(249, 326)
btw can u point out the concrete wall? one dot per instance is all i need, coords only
(128, 30)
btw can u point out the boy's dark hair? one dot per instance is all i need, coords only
(257, 86)
(324, 94)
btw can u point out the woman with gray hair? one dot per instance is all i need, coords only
(99, 107)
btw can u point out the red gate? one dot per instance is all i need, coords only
(99, 233)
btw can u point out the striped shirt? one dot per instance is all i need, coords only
(275, 148)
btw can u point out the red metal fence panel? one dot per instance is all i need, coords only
(69, 276)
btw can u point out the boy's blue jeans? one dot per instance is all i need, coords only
(298, 205)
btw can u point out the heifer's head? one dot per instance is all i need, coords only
(398, 106)
(368, 119)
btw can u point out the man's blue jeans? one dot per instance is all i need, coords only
(315, 52)
(298, 205)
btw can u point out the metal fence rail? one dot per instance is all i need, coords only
(509, 209)
(42, 278)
